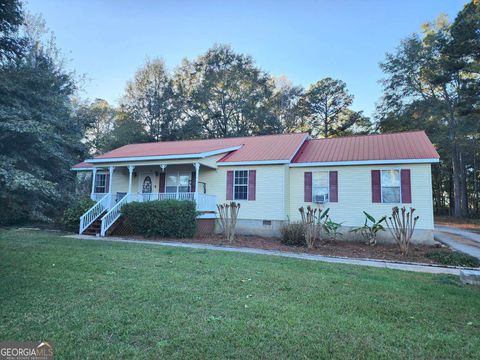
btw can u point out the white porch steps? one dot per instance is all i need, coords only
(204, 203)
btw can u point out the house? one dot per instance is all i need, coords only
(271, 176)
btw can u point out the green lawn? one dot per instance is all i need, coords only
(110, 300)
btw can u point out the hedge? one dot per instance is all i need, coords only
(293, 234)
(170, 218)
(71, 216)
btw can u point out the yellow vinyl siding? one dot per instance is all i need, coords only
(355, 193)
(270, 191)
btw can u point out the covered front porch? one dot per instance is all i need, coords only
(117, 184)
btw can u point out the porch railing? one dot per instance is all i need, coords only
(110, 217)
(204, 203)
(140, 197)
(97, 196)
(95, 211)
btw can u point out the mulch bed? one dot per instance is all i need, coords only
(330, 248)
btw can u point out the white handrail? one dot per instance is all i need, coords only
(110, 217)
(141, 197)
(94, 212)
(204, 203)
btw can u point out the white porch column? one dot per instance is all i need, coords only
(94, 175)
(110, 169)
(130, 172)
(197, 172)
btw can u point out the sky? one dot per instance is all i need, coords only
(108, 40)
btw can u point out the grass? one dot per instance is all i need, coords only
(111, 300)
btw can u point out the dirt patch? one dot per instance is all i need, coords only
(329, 248)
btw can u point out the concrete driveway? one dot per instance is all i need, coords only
(462, 240)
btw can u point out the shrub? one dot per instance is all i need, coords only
(332, 228)
(453, 258)
(171, 218)
(71, 216)
(313, 221)
(293, 234)
(401, 225)
(228, 214)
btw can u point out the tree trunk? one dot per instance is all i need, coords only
(451, 198)
(458, 171)
(475, 182)
(464, 188)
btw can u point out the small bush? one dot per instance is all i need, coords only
(171, 218)
(453, 258)
(293, 234)
(71, 216)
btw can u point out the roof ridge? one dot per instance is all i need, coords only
(222, 138)
(368, 135)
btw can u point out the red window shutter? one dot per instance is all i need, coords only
(376, 190)
(333, 186)
(307, 187)
(229, 185)
(161, 185)
(252, 184)
(193, 181)
(406, 186)
(107, 183)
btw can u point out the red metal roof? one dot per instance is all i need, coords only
(262, 148)
(254, 148)
(82, 165)
(396, 146)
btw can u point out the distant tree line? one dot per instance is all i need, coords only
(220, 94)
(431, 82)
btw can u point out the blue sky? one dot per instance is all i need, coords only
(303, 40)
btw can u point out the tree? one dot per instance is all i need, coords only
(430, 83)
(39, 139)
(326, 108)
(11, 18)
(126, 130)
(99, 118)
(285, 103)
(150, 99)
(225, 94)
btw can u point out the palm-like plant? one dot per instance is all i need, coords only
(371, 228)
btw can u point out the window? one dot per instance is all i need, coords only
(320, 186)
(240, 185)
(390, 182)
(179, 181)
(101, 183)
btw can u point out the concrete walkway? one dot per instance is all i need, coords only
(433, 269)
(461, 240)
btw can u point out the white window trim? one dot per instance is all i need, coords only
(400, 186)
(177, 174)
(328, 186)
(105, 186)
(247, 184)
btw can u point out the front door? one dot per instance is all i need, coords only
(145, 186)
